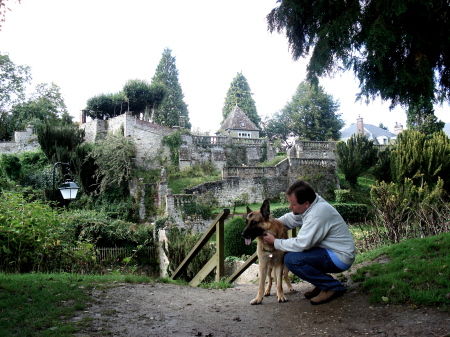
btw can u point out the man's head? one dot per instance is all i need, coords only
(300, 196)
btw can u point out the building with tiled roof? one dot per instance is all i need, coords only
(378, 135)
(237, 124)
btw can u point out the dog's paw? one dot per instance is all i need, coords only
(292, 290)
(267, 293)
(256, 301)
(282, 299)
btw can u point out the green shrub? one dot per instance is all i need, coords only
(406, 211)
(353, 213)
(28, 230)
(234, 242)
(11, 166)
(278, 212)
(104, 231)
(342, 196)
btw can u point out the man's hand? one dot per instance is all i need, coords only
(268, 239)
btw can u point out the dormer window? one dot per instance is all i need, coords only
(242, 124)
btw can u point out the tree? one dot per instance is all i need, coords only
(105, 106)
(355, 156)
(172, 107)
(113, 159)
(397, 49)
(420, 117)
(13, 79)
(312, 113)
(278, 127)
(143, 97)
(240, 94)
(46, 105)
(58, 142)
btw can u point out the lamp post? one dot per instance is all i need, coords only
(68, 189)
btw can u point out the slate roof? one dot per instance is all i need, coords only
(371, 131)
(238, 120)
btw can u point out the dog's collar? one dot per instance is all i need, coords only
(268, 251)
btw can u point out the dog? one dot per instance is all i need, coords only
(270, 260)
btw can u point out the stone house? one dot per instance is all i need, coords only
(237, 124)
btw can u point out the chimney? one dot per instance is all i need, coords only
(360, 125)
(83, 117)
(398, 128)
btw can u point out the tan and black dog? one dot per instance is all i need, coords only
(270, 259)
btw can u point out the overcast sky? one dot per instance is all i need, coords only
(88, 47)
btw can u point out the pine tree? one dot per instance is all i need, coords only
(421, 159)
(398, 49)
(168, 113)
(355, 156)
(240, 94)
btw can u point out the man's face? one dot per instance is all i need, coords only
(295, 206)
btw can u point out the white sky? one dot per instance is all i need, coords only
(88, 47)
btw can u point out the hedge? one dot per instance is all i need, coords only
(352, 213)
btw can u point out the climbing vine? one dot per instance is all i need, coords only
(174, 142)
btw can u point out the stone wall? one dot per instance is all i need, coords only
(147, 136)
(23, 141)
(254, 190)
(320, 173)
(224, 151)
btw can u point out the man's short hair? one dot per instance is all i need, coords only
(303, 192)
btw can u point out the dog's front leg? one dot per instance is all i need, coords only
(262, 281)
(279, 275)
(269, 281)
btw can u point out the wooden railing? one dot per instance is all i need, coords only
(218, 259)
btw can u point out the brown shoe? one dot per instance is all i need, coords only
(326, 296)
(312, 293)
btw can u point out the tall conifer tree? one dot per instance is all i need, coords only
(239, 93)
(168, 113)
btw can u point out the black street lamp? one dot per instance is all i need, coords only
(68, 189)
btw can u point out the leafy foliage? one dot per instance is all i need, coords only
(57, 142)
(105, 106)
(172, 107)
(28, 230)
(12, 79)
(10, 166)
(398, 49)
(399, 209)
(311, 114)
(240, 94)
(355, 156)
(234, 243)
(142, 96)
(353, 213)
(113, 158)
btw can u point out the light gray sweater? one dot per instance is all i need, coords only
(321, 226)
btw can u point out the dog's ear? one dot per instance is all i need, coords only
(249, 210)
(265, 209)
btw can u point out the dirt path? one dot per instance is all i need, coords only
(172, 310)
